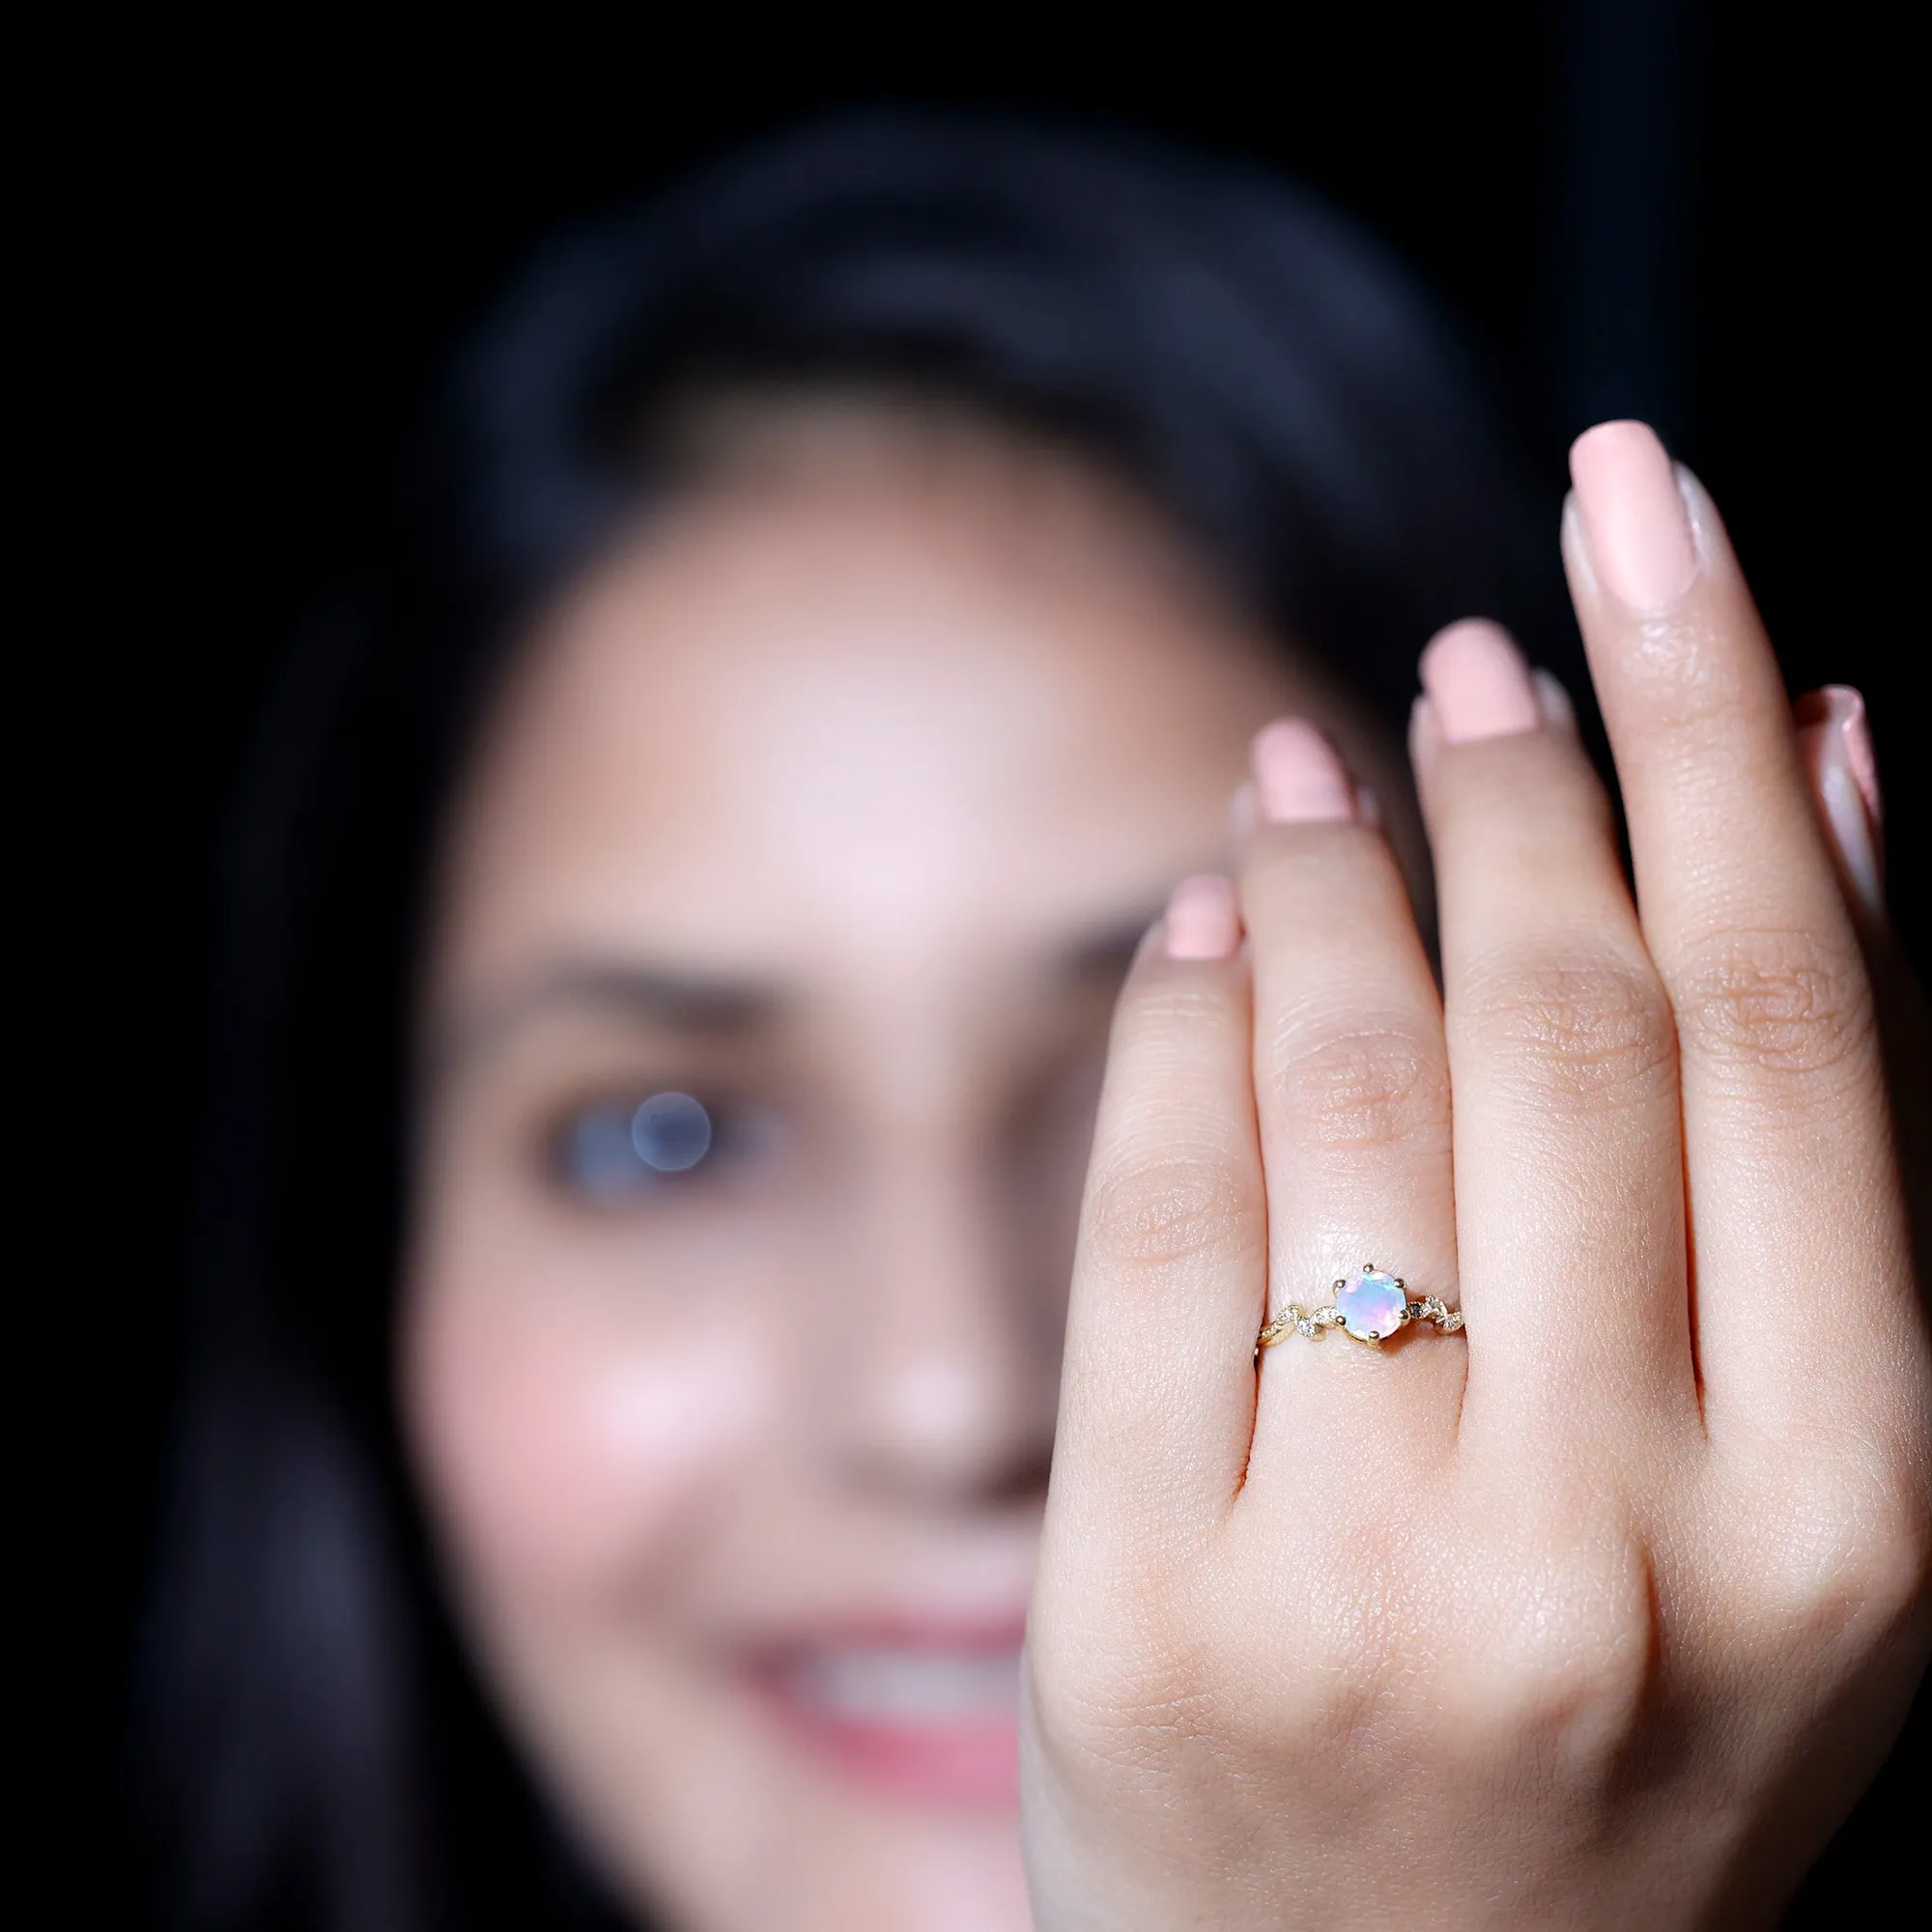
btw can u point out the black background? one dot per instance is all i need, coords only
(263, 236)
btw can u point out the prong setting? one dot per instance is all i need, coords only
(1369, 1307)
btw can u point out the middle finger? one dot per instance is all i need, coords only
(1569, 1171)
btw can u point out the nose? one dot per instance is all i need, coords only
(938, 1385)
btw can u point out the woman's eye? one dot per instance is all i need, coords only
(619, 1151)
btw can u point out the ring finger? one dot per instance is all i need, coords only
(1352, 1088)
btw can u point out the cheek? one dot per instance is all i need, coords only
(563, 1449)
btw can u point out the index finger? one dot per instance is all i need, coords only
(1787, 1138)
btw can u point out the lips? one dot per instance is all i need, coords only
(924, 1716)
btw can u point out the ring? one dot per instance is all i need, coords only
(1369, 1305)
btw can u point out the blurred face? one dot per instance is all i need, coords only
(781, 916)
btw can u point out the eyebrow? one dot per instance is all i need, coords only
(702, 1002)
(715, 1006)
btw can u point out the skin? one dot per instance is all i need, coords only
(882, 751)
(839, 798)
(1602, 1616)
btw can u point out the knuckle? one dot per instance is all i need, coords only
(1772, 1001)
(1366, 1087)
(1896, 1579)
(1160, 1214)
(1570, 1708)
(1843, 1553)
(1564, 1666)
(1589, 1027)
(1124, 1709)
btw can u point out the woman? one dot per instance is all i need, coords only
(680, 910)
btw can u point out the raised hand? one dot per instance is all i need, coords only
(1601, 1612)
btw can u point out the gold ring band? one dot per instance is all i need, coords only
(1370, 1306)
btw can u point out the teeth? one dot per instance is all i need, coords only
(907, 1686)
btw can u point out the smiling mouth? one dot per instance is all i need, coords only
(919, 1720)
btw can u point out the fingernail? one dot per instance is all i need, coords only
(1554, 702)
(1835, 743)
(1632, 516)
(1478, 682)
(1858, 752)
(1204, 918)
(1298, 777)
(1844, 707)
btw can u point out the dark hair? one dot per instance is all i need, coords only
(315, 1752)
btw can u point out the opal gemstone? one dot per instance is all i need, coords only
(1371, 1304)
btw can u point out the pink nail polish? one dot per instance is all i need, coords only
(1835, 744)
(1843, 813)
(1632, 515)
(1843, 708)
(1298, 777)
(1478, 682)
(1204, 918)
(1858, 754)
